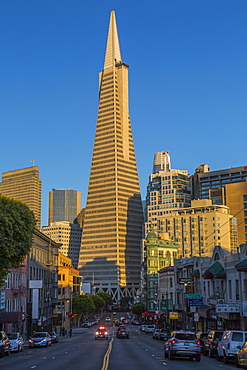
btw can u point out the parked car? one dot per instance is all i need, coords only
(143, 327)
(86, 324)
(149, 329)
(211, 343)
(202, 336)
(230, 343)
(162, 335)
(16, 342)
(241, 356)
(40, 339)
(54, 337)
(182, 344)
(107, 319)
(4, 344)
(155, 333)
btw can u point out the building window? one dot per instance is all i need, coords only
(230, 289)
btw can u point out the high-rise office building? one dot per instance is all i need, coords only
(112, 230)
(64, 205)
(168, 190)
(24, 184)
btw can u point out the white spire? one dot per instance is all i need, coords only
(113, 53)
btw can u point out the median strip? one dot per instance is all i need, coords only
(107, 355)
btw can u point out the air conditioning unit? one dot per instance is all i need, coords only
(220, 301)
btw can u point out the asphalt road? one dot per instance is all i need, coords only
(82, 351)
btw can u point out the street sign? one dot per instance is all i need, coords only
(173, 315)
(192, 295)
(185, 281)
(195, 302)
(230, 307)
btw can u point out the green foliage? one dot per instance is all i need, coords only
(107, 298)
(17, 224)
(124, 303)
(83, 305)
(98, 302)
(137, 308)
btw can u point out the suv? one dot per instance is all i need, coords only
(183, 344)
(4, 344)
(101, 332)
(230, 343)
(149, 329)
(211, 343)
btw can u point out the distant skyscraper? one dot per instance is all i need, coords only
(112, 230)
(64, 205)
(25, 185)
(162, 162)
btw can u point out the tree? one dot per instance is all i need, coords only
(124, 303)
(107, 298)
(17, 225)
(83, 305)
(137, 308)
(98, 302)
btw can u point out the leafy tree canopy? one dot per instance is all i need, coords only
(107, 298)
(137, 308)
(98, 302)
(83, 304)
(17, 224)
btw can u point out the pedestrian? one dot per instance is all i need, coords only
(65, 333)
(61, 331)
(70, 332)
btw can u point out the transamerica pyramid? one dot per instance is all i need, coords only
(110, 254)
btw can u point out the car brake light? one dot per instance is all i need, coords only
(174, 341)
(198, 342)
(215, 344)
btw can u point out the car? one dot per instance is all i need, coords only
(16, 342)
(101, 333)
(120, 328)
(4, 344)
(39, 339)
(107, 319)
(230, 343)
(182, 344)
(86, 324)
(155, 333)
(149, 329)
(241, 356)
(123, 334)
(143, 327)
(211, 343)
(202, 335)
(162, 334)
(54, 337)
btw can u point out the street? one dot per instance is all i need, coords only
(82, 351)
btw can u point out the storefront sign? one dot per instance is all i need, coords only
(185, 281)
(228, 307)
(173, 315)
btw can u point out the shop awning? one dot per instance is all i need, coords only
(216, 270)
(195, 273)
(203, 311)
(10, 317)
(241, 266)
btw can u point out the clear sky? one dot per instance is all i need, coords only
(187, 84)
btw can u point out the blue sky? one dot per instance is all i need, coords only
(187, 84)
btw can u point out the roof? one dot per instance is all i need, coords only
(195, 273)
(113, 53)
(216, 270)
(241, 266)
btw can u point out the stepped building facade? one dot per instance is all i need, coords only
(110, 253)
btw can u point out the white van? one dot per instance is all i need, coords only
(230, 343)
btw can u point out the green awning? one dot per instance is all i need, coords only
(241, 266)
(216, 270)
(195, 273)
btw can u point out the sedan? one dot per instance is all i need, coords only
(241, 356)
(40, 339)
(162, 335)
(16, 342)
(123, 334)
(54, 338)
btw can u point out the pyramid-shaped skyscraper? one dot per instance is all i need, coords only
(112, 231)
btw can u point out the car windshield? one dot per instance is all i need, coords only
(185, 336)
(218, 335)
(39, 335)
(12, 336)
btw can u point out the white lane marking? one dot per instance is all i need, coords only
(33, 367)
(164, 363)
(53, 358)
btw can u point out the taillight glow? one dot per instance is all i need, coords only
(174, 341)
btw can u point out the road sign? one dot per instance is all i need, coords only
(185, 281)
(192, 295)
(195, 302)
